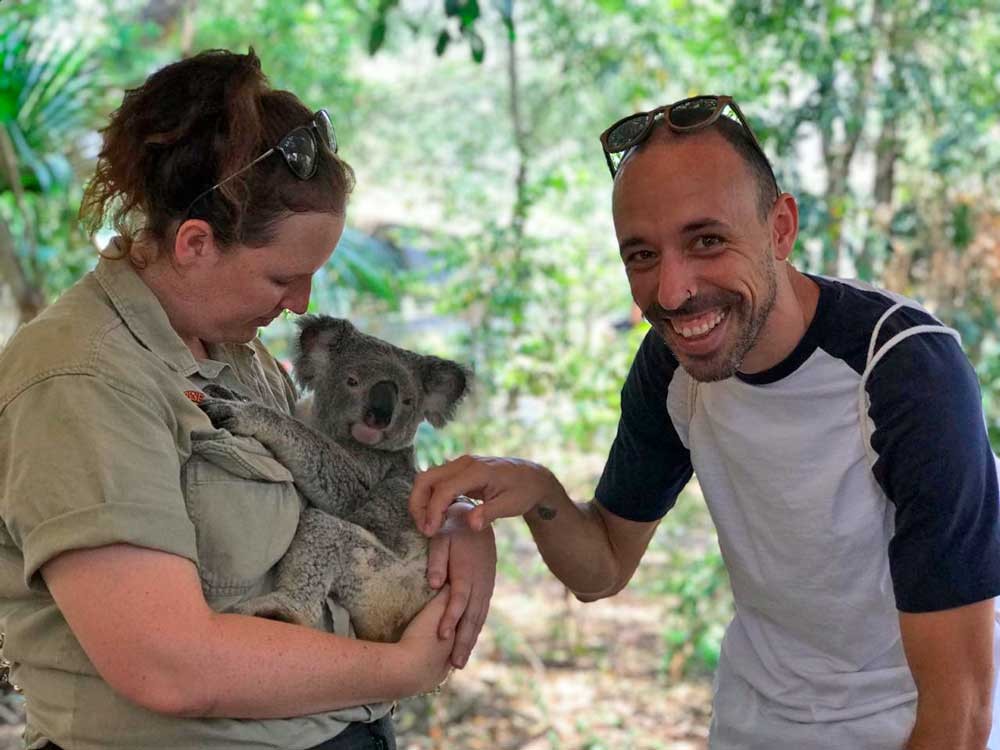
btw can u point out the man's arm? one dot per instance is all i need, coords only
(604, 553)
(950, 654)
(142, 619)
(593, 552)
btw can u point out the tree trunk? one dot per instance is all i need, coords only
(877, 251)
(29, 299)
(519, 211)
(839, 157)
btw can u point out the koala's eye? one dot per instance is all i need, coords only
(352, 381)
(407, 402)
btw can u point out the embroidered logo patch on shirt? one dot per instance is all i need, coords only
(196, 396)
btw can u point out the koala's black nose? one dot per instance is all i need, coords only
(381, 403)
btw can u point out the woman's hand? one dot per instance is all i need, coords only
(467, 560)
(507, 486)
(423, 653)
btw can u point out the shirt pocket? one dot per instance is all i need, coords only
(244, 508)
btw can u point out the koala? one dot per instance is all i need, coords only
(354, 464)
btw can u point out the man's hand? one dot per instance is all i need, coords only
(508, 487)
(467, 560)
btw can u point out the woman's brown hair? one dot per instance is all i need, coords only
(190, 125)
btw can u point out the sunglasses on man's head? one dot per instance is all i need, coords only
(299, 148)
(685, 116)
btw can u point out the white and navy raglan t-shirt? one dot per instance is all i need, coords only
(851, 480)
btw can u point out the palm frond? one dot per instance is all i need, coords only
(47, 86)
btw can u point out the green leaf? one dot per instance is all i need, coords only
(476, 45)
(442, 42)
(377, 37)
(467, 11)
(470, 13)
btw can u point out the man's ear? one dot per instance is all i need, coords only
(784, 224)
(194, 244)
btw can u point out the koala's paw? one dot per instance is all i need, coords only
(278, 606)
(239, 417)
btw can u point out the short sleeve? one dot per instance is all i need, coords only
(84, 464)
(648, 464)
(936, 466)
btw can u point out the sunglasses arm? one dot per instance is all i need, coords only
(611, 164)
(241, 171)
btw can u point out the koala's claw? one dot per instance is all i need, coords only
(224, 414)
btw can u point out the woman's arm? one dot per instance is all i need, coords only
(141, 618)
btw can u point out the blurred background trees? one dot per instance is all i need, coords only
(480, 227)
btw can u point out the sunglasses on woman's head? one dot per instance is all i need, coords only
(299, 148)
(685, 116)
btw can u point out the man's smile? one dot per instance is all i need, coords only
(699, 325)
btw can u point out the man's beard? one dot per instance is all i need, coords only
(744, 322)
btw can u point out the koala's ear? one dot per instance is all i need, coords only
(320, 336)
(445, 383)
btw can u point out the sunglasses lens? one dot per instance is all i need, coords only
(299, 150)
(693, 112)
(625, 133)
(325, 127)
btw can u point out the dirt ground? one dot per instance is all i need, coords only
(552, 674)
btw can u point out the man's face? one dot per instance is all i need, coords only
(698, 256)
(247, 287)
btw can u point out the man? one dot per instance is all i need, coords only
(837, 434)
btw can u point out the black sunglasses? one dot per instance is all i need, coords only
(299, 148)
(684, 116)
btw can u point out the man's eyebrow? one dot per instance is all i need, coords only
(706, 223)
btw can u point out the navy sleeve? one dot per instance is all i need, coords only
(936, 465)
(648, 465)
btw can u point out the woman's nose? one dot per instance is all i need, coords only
(297, 298)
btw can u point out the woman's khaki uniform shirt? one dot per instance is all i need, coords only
(100, 443)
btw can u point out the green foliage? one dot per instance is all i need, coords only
(47, 107)
(694, 622)
(687, 574)
(460, 18)
(304, 47)
(989, 378)
(44, 95)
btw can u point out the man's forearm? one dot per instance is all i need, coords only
(574, 543)
(957, 721)
(950, 653)
(593, 551)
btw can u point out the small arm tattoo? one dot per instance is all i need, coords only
(546, 513)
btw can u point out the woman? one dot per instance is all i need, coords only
(130, 525)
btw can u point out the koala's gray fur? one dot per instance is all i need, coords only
(354, 464)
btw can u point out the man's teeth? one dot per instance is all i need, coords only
(690, 328)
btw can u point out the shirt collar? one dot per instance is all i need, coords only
(145, 317)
